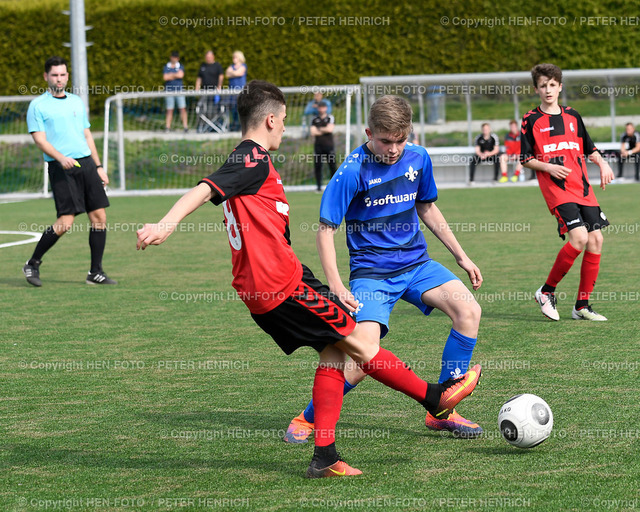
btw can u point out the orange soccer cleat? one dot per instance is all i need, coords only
(454, 390)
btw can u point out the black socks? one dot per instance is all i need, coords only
(47, 241)
(97, 241)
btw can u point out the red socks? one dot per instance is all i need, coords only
(562, 265)
(328, 387)
(385, 367)
(588, 274)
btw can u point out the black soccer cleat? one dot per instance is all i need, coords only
(32, 273)
(99, 278)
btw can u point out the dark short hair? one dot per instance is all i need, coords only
(256, 101)
(323, 103)
(54, 61)
(175, 54)
(548, 70)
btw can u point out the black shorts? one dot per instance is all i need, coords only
(573, 215)
(311, 316)
(77, 190)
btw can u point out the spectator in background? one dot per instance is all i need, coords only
(237, 75)
(211, 74)
(512, 154)
(172, 74)
(487, 151)
(311, 112)
(210, 78)
(312, 107)
(322, 128)
(629, 149)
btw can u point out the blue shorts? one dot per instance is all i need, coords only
(170, 102)
(378, 297)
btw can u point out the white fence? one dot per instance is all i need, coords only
(142, 159)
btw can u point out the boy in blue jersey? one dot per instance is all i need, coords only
(382, 191)
(57, 121)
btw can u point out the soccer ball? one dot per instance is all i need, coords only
(525, 420)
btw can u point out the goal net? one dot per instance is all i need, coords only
(21, 164)
(142, 156)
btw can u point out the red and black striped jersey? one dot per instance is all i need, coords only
(265, 269)
(560, 139)
(512, 143)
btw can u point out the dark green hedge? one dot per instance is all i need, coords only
(131, 45)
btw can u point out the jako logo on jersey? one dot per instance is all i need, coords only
(389, 199)
(549, 148)
(411, 174)
(375, 180)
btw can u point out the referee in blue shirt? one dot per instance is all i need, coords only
(58, 123)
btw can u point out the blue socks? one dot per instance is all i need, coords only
(456, 355)
(309, 412)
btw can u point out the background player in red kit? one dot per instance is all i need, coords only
(283, 296)
(511, 154)
(554, 143)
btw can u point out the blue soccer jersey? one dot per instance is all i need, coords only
(63, 120)
(377, 202)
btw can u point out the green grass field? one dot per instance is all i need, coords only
(162, 394)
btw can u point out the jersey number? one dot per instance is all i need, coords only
(232, 227)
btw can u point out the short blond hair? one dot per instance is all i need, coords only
(391, 114)
(240, 56)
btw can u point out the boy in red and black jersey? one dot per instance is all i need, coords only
(512, 153)
(554, 143)
(283, 296)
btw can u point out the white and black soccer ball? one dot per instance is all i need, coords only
(525, 420)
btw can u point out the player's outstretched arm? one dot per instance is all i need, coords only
(327, 252)
(606, 174)
(155, 234)
(438, 225)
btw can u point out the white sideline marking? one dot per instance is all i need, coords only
(34, 238)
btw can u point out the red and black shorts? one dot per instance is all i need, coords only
(312, 316)
(573, 215)
(77, 190)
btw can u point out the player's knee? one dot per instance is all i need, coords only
(579, 239)
(469, 315)
(63, 224)
(98, 219)
(475, 312)
(596, 240)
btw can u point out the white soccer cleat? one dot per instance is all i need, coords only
(587, 313)
(547, 303)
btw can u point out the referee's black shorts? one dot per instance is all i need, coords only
(311, 316)
(77, 190)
